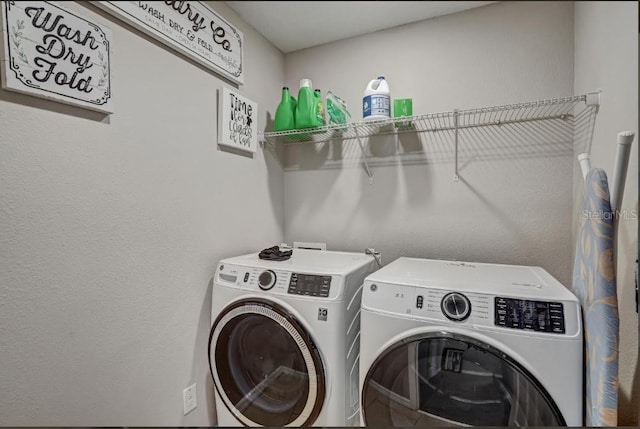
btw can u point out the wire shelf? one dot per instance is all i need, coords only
(557, 109)
(552, 109)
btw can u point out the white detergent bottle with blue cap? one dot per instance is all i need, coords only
(376, 103)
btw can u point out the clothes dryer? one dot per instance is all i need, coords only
(454, 343)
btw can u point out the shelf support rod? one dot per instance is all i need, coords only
(364, 157)
(455, 125)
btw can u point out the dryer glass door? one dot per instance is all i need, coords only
(264, 365)
(442, 379)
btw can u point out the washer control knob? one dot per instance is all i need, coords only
(267, 280)
(455, 306)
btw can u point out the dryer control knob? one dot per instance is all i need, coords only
(267, 280)
(455, 306)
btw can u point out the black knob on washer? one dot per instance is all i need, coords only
(267, 280)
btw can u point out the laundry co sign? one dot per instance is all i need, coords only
(50, 52)
(189, 27)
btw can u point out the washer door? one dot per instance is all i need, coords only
(444, 379)
(264, 365)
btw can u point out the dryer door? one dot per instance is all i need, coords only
(264, 365)
(446, 379)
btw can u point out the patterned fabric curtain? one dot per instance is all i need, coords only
(594, 283)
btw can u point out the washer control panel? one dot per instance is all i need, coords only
(540, 316)
(309, 284)
(280, 282)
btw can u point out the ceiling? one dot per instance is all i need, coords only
(293, 25)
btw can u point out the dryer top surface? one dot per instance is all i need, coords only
(312, 261)
(493, 279)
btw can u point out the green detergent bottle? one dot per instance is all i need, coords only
(321, 122)
(285, 113)
(307, 107)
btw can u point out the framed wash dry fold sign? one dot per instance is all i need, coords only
(190, 27)
(237, 126)
(50, 52)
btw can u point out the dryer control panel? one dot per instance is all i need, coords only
(538, 316)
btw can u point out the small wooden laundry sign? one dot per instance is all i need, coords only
(189, 27)
(237, 126)
(51, 52)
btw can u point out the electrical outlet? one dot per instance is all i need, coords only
(189, 399)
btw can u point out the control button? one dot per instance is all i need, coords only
(455, 306)
(246, 277)
(419, 302)
(267, 280)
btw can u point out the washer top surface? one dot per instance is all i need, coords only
(316, 261)
(494, 279)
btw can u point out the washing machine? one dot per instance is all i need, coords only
(284, 342)
(446, 343)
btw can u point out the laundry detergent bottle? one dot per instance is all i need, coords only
(285, 113)
(306, 115)
(321, 121)
(376, 102)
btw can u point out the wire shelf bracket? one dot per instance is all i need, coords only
(455, 124)
(364, 158)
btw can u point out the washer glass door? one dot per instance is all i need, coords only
(442, 379)
(264, 365)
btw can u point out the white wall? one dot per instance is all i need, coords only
(606, 57)
(514, 201)
(110, 229)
